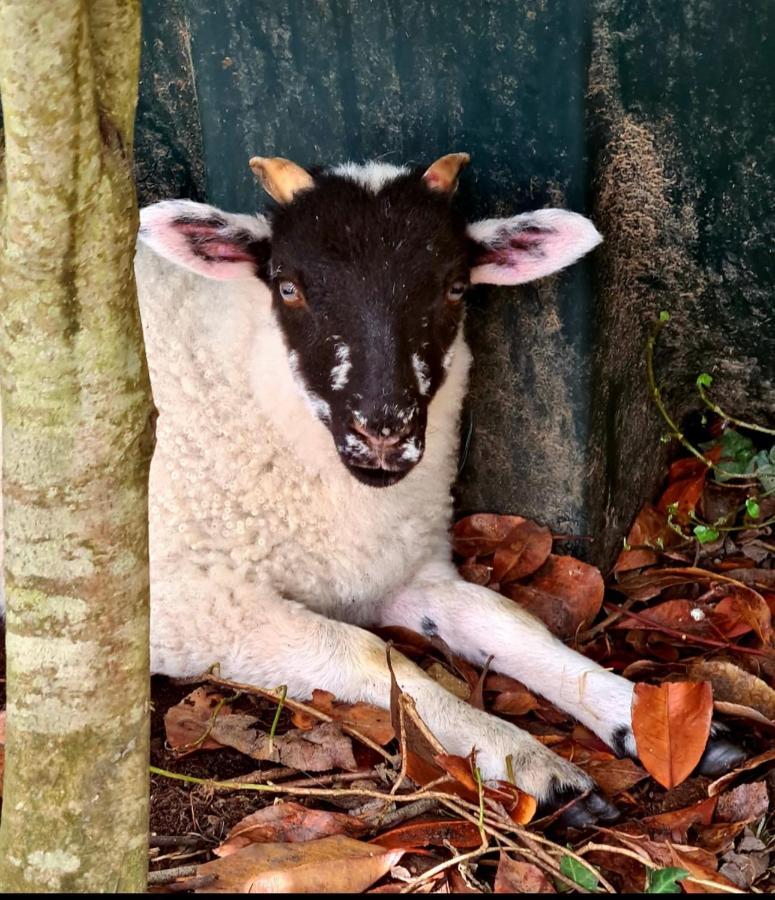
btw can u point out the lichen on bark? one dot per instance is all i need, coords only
(77, 439)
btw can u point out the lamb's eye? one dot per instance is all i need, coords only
(456, 291)
(291, 294)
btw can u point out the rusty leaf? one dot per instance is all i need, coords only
(481, 534)
(741, 612)
(516, 877)
(565, 593)
(684, 615)
(671, 724)
(515, 703)
(288, 822)
(649, 528)
(677, 822)
(187, 722)
(522, 552)
(370, 721)
(685, 494)
(336, 864)
(460, 833)
(702, 865)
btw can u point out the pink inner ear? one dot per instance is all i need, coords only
(210, 245)
(529, 246)
(204, 240)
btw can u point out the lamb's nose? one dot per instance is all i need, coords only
(379, 438)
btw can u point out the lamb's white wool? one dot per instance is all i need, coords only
(340, 373)
(448, 357)
(371, 175)
(421, 373)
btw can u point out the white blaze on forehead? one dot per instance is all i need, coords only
(422, 374)
(371, 175)
(340, 373)
(318, 406)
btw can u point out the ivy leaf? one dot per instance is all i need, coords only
(752, 508)
(664, 316)
(704, 380)
(664, 881)
(578, 873)
(737, 454)
(705, 534)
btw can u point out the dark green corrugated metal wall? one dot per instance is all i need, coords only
(652, 116)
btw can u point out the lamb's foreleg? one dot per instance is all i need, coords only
(269, 641)
(477, 623)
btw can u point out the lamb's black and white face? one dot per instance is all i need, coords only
(368, 268)
(368, 279)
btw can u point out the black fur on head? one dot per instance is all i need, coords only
(367, 288)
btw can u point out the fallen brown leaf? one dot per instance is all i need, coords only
(288, 822)
(370, 721)
(516, 877)
(649, 527)
(614, 775)
(522, 552)
(646, 585)
(671, 724)
(565, 593)
(187, 722)
(461, 834)
(315, 750)
(702, 865)
(677, 822)
(334, 864)
(721, 784)
(735, 685)
(673, 613)
(441, 674)
(745, 803)
(481, 534)
(515, 703)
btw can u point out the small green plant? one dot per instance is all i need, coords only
(664, 881)
(738, 459)
(583, 876)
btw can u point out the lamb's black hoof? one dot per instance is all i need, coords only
(720, 756)
(582, 809)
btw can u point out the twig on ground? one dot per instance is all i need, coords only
(177, 840)
(686, 638)
(167, 876)
(300, 707)
(404, 813)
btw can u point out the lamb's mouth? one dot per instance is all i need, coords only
(377, 477)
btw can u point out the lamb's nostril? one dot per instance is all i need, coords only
(379, 438)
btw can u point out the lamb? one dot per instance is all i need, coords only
(309, 370)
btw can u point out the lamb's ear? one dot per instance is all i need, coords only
(207, 240)
(529, 246)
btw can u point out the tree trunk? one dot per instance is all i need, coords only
(78, 436)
